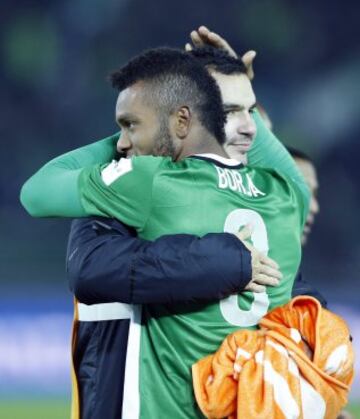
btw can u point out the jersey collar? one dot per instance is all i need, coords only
(218, 160)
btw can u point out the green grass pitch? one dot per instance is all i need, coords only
(39, 409)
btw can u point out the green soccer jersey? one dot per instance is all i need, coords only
(198, 195)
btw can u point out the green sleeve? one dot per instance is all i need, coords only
(53, 191)
(121, 190)
(268, 152)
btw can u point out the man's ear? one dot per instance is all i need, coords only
(182, 120)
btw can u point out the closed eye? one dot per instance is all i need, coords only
(231, 111)
(126, 123)
(252, 108)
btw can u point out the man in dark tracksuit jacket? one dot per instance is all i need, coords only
(107, 263)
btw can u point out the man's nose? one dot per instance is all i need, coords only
(247, 126)
(123, 143)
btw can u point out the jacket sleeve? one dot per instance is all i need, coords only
(106, 262)
(302, 287)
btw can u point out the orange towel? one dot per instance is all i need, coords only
(267, 373)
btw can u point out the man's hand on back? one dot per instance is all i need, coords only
(265, 271)
(203, 36)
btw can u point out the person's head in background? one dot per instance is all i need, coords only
(308, 170)
(168, 105)
(238, 98)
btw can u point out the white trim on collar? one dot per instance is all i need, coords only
(220, 159)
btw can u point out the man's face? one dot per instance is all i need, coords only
(309, 173)
(143, 131)
(239, 103)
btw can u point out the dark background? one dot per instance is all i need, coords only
(55, 56)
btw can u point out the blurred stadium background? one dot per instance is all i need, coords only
(55, 56)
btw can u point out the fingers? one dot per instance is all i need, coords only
(265, 260)
(217, 40)
(262, 279)
(196, 39)
(253, 287)
(203, 30)
(260, 282)
(248, 60)
(267, 270)
(203, 36)
(265, 274)
(245, 232)
(248, 57)
(211, 38)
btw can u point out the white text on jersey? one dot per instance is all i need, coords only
(233, 180)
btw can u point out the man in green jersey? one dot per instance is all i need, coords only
(166, 97)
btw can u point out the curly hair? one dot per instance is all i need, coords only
(173, 78)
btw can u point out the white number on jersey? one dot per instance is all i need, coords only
(229, 307)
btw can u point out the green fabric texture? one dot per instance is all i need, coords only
(127, 195)
(268, 152)
(53, 190)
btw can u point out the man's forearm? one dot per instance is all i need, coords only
(108, 263)
(53, 190)
(268, 152)
(184, 268)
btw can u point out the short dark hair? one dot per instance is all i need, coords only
(218, 60)
(174, 78)
(298, 154)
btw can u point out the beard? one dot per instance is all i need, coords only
(163, 142)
